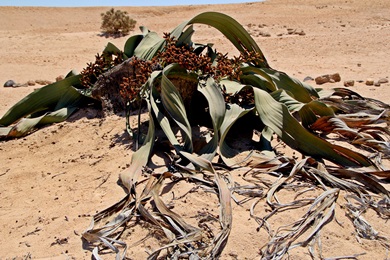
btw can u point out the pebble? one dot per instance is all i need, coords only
(349, 83)
(336, 77)
(377, 84)
(383, 81)
(9, 83)
(321, 80)
(31, 82)
(369, 82)
(295, 31)
(43, 82)
(328, 78)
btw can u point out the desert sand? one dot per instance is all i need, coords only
(55, 179)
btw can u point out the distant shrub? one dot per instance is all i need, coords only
(116, 23)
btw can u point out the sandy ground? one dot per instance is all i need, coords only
(55, 179)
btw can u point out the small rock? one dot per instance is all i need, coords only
(59, 78)
(369, 82)
(336, 77)
(9, 83)
(31, 83)
(290, 31)
(349, 83)
(328, 78)
(43, 82)
(383, 81)
(360, 80)
(377, 84)
(322, 80)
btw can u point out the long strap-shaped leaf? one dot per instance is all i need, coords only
(41, 99)
(279, 80)
(149, 46)
(140, 158)
(62, 108)
(25, 125)
(276, 116)
(232, 114)
(319, 214)
(217, 109)
(229, 27)
(112, 49)
(226, 213)
(131, 44)
(151, 43)
(174, 105)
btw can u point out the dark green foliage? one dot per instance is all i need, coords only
(116, 23)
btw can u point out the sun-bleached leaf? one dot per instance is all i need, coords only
(139, 159)
(276, 116)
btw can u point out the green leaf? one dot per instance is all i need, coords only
(232, 30)
(198, 161)
(233, 113)
(58, 115)
(266, 138)
(66, 105)
(25, 125)
(231, 87)
(71, 98)
(41, 99)
(131, 44)
(283, 97)
(113, 50)
(60, 97)
(217, 108)
(229, 27)
(149, 46)
(174, 105)
(71, 73)
(301, 91)
(258, 78)
(185, 37)
(162, 120)
(310, 112)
